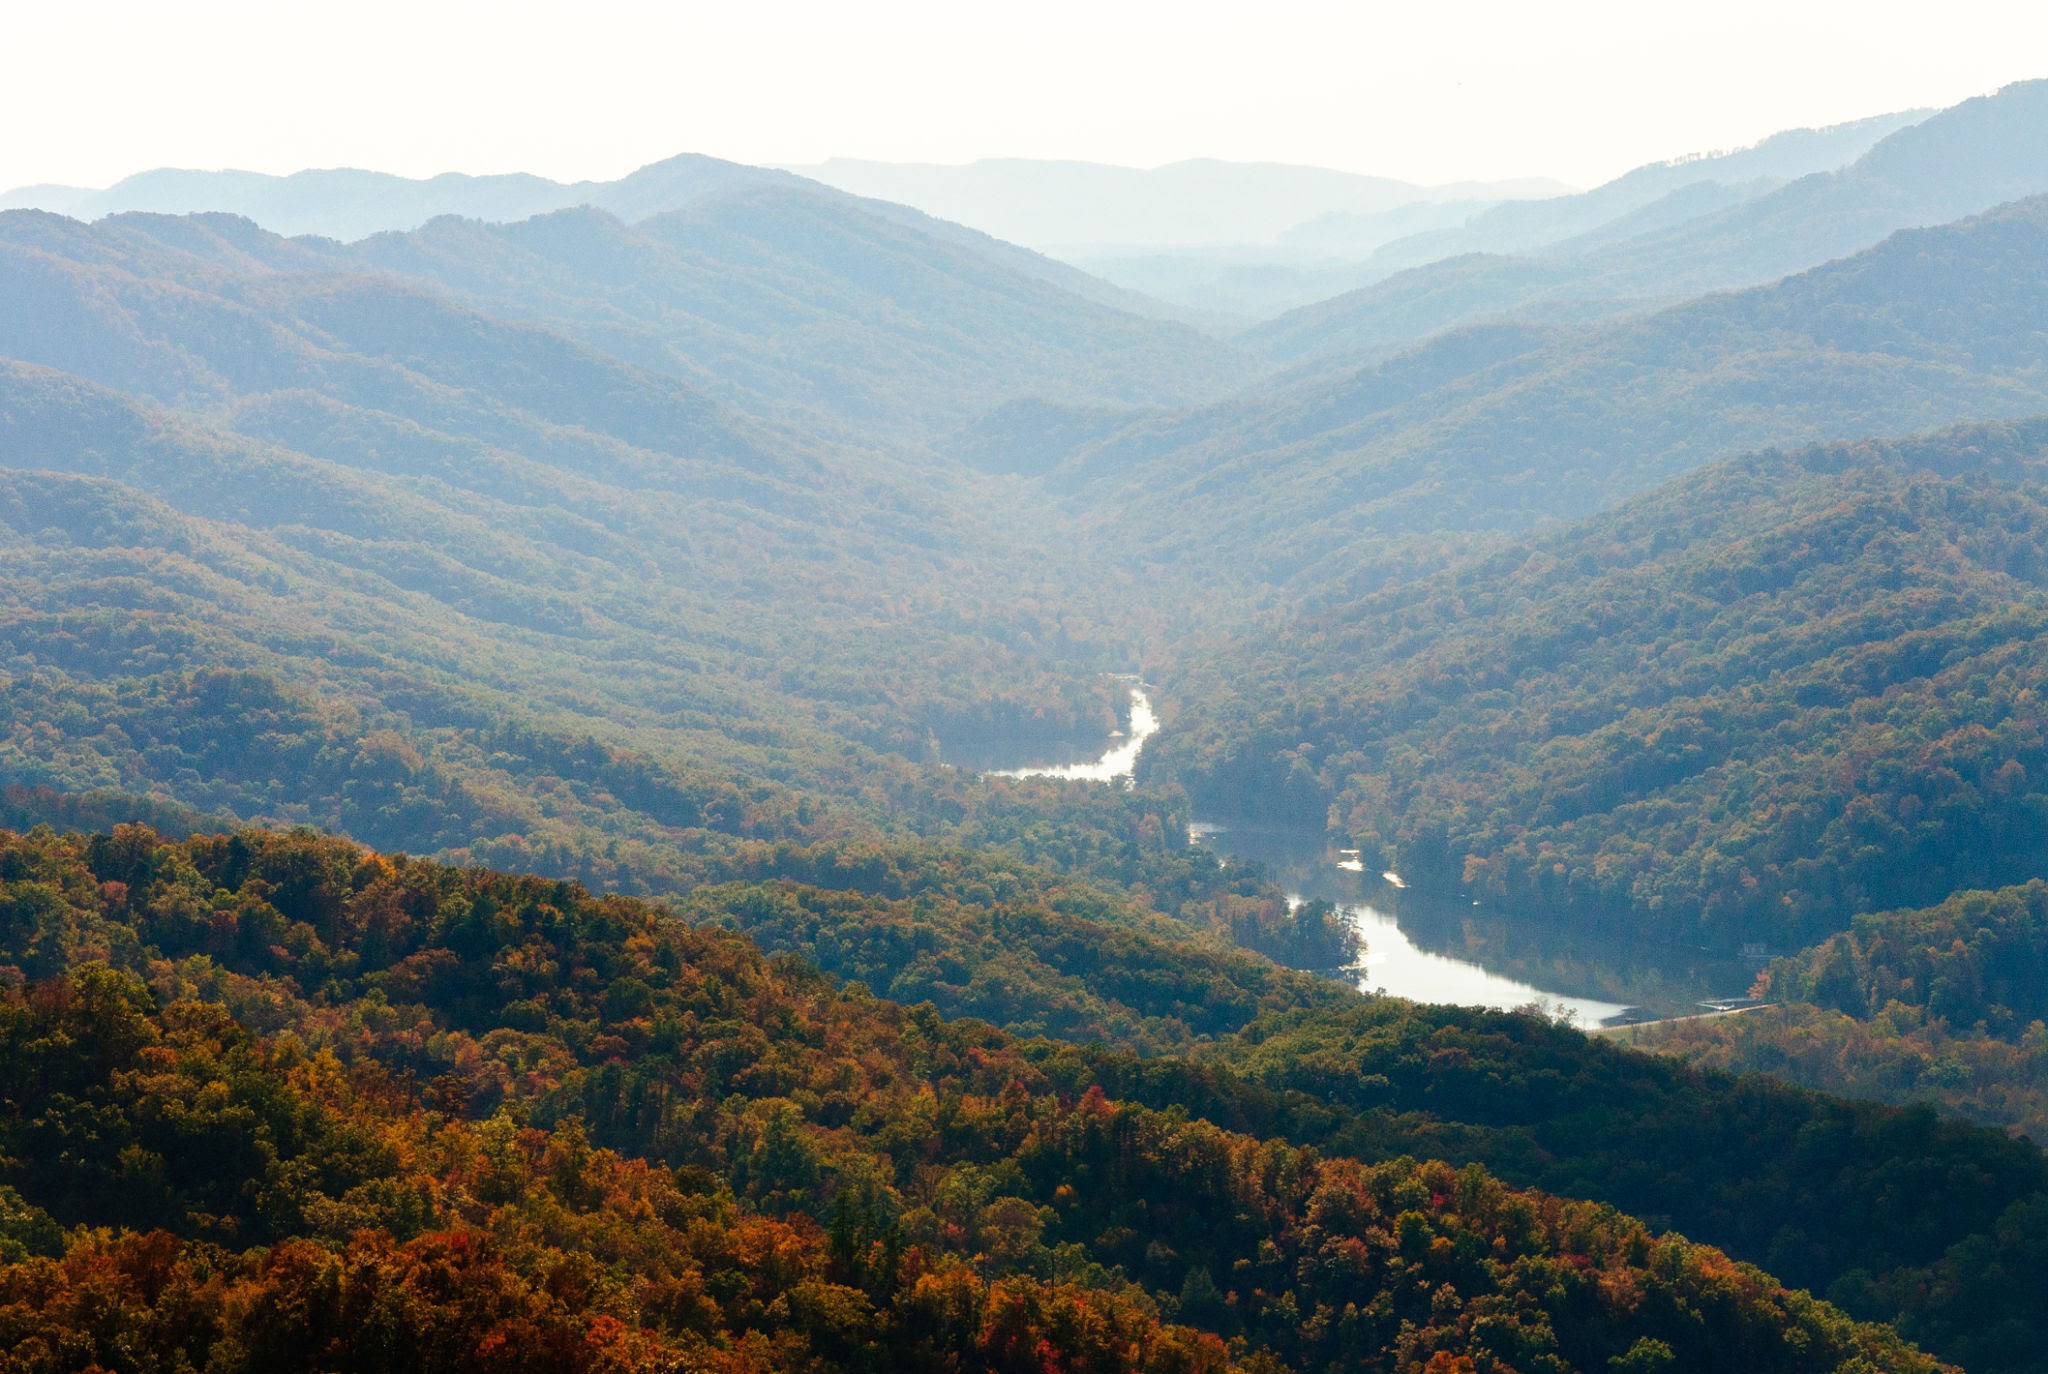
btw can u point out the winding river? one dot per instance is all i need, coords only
(1432, 949)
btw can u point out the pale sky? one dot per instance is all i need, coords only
(91, 90)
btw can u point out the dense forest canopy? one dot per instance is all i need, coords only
(1943, 1005)
(1739, 709)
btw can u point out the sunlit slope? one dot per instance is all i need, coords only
(1941, 1005)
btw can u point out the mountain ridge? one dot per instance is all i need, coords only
(349, 203)
(1961, 161)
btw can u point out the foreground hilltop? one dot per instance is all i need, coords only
(412, 1116)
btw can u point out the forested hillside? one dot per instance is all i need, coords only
(458, 592)
(1742, 708)
(391, 1110)
(1944, 1005)
(552, 493)
(481, 510)
(484, 660)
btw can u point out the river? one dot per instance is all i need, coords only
(1433, 949)
(1116, 764)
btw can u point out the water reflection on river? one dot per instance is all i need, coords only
(1435, 949)
(1394, 961)
(1121, 759)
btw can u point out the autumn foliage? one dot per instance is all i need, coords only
(272, 1101)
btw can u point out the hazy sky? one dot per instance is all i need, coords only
(91, 90)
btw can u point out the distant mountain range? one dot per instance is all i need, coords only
(1070, 207)
(1035, 203)
(1959, 162)
(1633, 197)
(349, 204)
(1207, 240)
(1348, 249)
(1189, 232)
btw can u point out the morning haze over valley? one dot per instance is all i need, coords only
(1139, 691)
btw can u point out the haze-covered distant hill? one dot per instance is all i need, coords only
(778, 299)
(1344, 250)
(1024, 201)
(1180, 240)
(1068, 206)
(1500, 427)
(869, 315)
(1959, 162)
(1742, 174)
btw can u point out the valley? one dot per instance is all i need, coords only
(708, 771)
